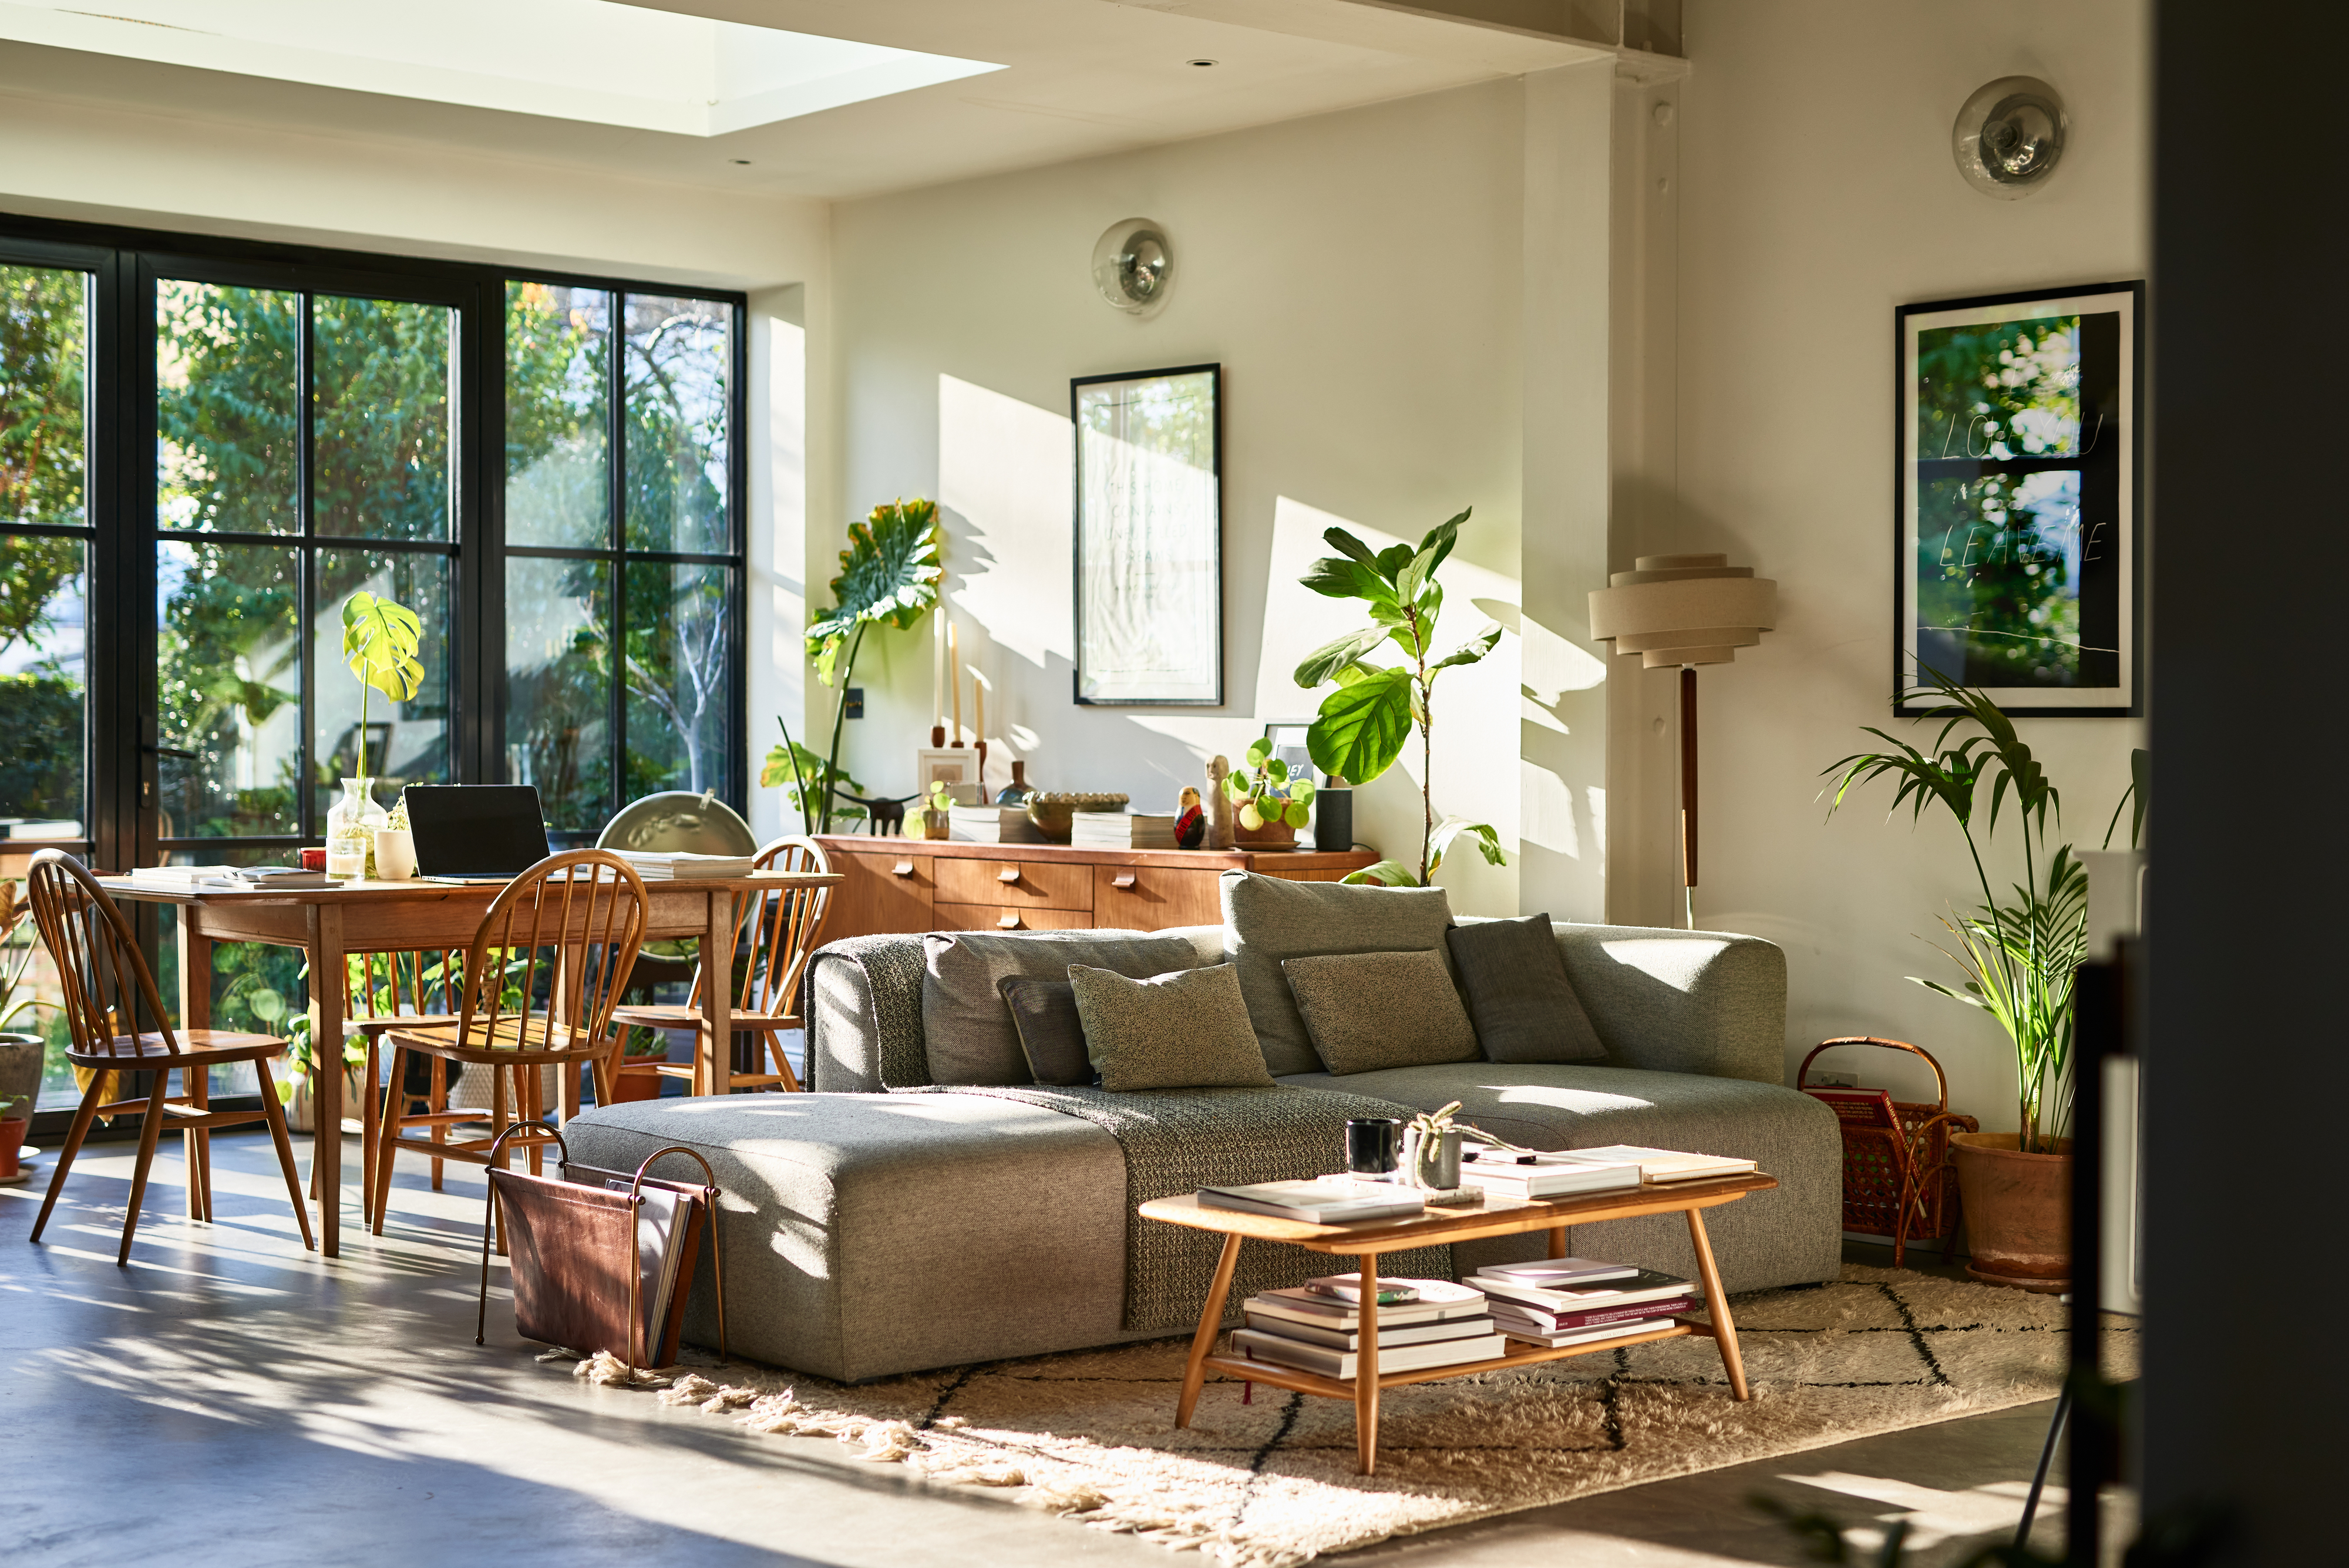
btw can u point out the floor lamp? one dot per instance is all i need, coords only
(1686, 610)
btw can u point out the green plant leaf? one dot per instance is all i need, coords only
(1427, 557)
(1297, 816)
(1324, 662)
(380, 642)
(1384, 874)
(1301, 789)
(1480, 833)
(889, 573)
(1334, 576)
(1276, 770)
(1346, 543)
(1362, 728)
(1258, 749)
(1471, 652)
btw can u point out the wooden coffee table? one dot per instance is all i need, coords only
(1495, 1216)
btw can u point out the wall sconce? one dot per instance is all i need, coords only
(2009, 136)
(1134, 266)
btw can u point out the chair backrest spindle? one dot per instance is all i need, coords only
(107, 986)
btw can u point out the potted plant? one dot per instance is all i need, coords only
(21, 1055)
(1364, 724)
(1269, 805)
(934, 812)
(2017, 955)
(380, 642)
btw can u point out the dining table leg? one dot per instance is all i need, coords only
(327, 984)
(195, 955)
(717, 1066)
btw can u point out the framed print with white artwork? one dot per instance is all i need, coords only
(2020, 562)
(1149, 537)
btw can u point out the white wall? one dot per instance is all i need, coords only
(1818, 192)
(1360, 277)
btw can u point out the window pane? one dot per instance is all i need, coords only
(43, 720)
(407, 742)
(228, 688)
(558, 395)
(681, 362)
(680, 711)
(44, 343)
(381, 462)
(227, 407)
(558, 688)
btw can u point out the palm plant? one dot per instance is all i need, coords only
(1365, 723)
(2019, 956)
(888, 577)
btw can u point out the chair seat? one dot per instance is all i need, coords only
(214, 1046)
(385, 1022)
(499, 1046)
(682, 1017)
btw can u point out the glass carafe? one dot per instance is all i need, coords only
(351, 825)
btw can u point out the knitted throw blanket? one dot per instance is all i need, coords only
(1179, 1140)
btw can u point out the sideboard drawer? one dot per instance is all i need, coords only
(1154, 898)
(879, 893)
(1028, 884)
(1007, 918)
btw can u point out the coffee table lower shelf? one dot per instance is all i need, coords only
(1305, 1382)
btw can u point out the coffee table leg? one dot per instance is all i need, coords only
(1557, 1241)
(1716, 1302)
(1211, 1324)
(1366, 1370)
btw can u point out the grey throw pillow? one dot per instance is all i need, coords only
(1268, 919)
(1052, 1034)
(1188, 1030)
(967, 1032)
(1368, 1011)
(1524, 1009)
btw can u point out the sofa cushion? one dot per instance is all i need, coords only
(1525, 1008)
(1267, 920)
(1368, 1011)
(1187, 1030)
(967, 1029)
(1051, 1032)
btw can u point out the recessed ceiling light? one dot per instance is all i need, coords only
(615, 64)
(1202, 62)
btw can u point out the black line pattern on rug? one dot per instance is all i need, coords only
(1293, 1408)
(948, 1392)
(1916, 1335)
(1611, 1415)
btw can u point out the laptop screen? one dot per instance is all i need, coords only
(470, 830)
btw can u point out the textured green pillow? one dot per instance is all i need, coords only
(1269, 919)
(1188, 1030)
(1526, 1010)
(1051, 1035)
(1368, 1011)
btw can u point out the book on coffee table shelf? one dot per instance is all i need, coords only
(1587, 1335)
(1556, 1273)
(1349, 1288)
(1645, 1285)
(1662, 1165)
(1319, 1201)
(1447, 1303)
(1280, 1351)
(1515, 1314)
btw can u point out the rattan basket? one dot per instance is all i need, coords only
(1898, 1180)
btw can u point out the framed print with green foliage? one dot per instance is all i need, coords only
(1149, 537)
(2020, 562)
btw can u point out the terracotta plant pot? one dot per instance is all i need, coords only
(1271, 836)
(12, 1138)
(2018, 1210)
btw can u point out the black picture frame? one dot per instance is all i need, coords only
(1091, 685)
(2070, 459)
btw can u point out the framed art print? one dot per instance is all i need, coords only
(1149, 537)
(2019, 558)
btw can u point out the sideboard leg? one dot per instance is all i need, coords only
(1716, 1302)
(1211, 1324)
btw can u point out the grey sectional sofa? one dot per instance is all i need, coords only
(868, 1232)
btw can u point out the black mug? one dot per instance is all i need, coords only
(1373, 1145)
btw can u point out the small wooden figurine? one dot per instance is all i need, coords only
(1191, 828)
(1219, 805)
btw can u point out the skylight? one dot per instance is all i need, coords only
(570, 59)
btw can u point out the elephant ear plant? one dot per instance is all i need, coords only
(2019, 955)
(888, 577)
(1365, 723)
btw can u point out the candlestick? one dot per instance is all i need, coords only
(939, 675)
(979, 695)
(954, 675)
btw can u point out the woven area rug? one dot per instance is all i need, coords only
(1271, 1483)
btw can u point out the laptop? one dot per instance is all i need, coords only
(475, 832)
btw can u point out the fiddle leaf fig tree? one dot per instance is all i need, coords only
(888, 577)
(1364, 724)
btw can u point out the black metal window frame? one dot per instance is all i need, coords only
(122, 525)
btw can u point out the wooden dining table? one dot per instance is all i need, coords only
(343, 919)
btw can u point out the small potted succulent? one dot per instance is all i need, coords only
(934, 812)
(1270, 805)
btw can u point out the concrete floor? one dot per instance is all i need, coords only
(228, 1399)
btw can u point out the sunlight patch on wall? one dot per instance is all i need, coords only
(1548, 811)
(1005, 477)
(1554, 666)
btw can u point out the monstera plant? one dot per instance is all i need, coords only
(888, 577)
(380, 642)
(1364, 724)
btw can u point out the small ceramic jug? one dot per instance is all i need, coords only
(395, 854)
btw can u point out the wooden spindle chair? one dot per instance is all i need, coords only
(108, 990)
(775, 929)
(575, 919)
(382, 990)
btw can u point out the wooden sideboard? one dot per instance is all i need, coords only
(897, 884)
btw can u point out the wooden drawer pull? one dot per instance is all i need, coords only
(1010, 922)
(1008, 874)
(903, 868)
(1122, 879)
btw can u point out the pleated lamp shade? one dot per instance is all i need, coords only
(1683, 610)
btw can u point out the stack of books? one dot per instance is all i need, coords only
(993, 824)
(1662, 1166)
(1319, 1201)
(1122, 830)
(1527, 1176)
(674, 864)
(1560, 1302)
(1422, 1324)
(239, 879)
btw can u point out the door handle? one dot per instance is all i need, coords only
(1010, 922)
(1010, 874)
(1122, 879)
(903, 868)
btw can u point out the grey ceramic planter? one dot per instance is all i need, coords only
(20, 1071)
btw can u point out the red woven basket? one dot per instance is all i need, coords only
(1898, 1180)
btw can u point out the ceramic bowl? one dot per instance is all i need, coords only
(1051, 812)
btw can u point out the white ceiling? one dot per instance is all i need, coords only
(1079, 78)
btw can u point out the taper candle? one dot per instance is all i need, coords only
(938, 667)
(954, 675)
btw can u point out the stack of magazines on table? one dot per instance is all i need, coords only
(1560, 1302)
(1571, 1172)
(1318, 1328)
(1319, 1201)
